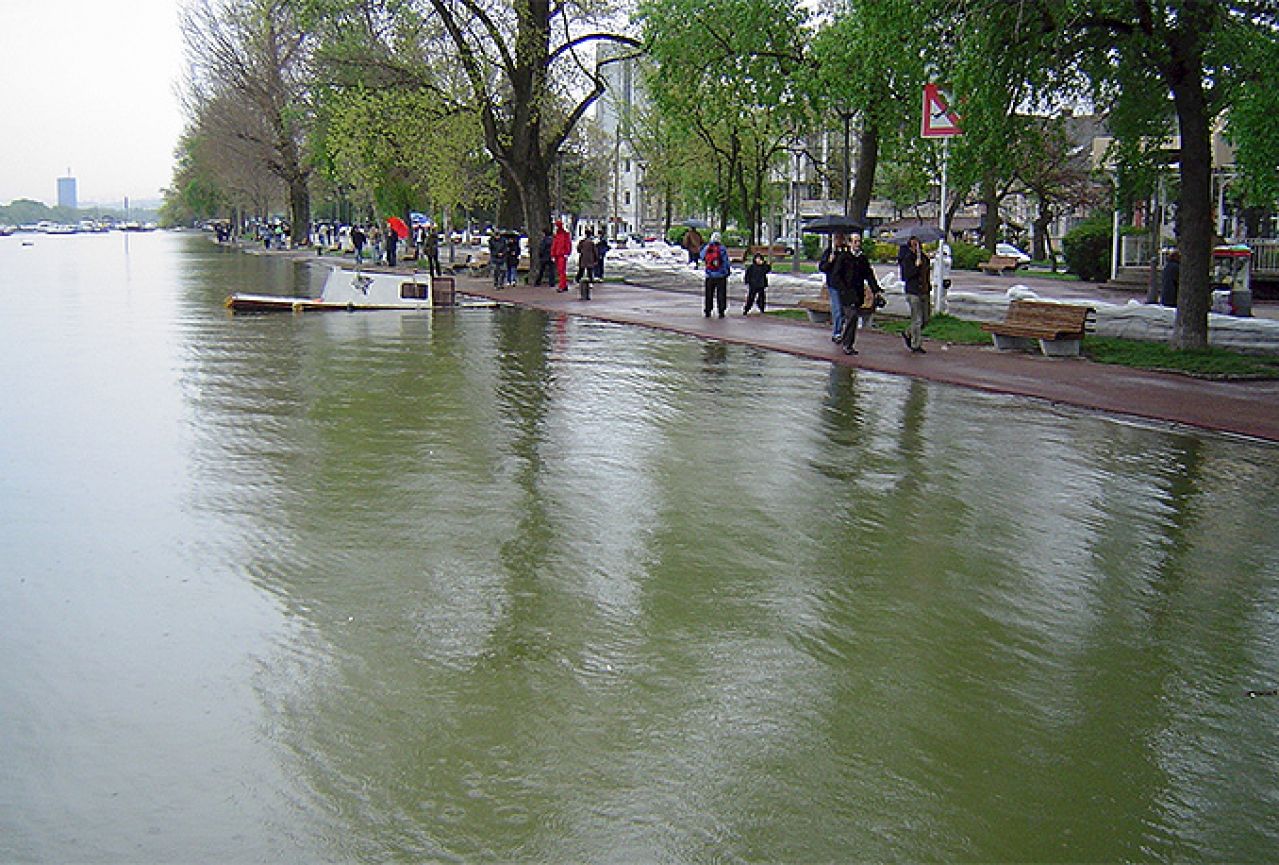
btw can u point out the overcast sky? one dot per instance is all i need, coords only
(89, 85)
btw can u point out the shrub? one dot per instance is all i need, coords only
(1086, 248)
(966, 256)
(813, 244)
(675, 234)
(883, 252)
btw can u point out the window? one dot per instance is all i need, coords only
(628, 197)
(414, 291)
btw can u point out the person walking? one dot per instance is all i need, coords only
(431, 243)
(545, 266)
(848, 268)
(714, 258)
(756, 283)
(586, 262)
(838, 241)
(693, 244)
(914, 265)
(512, 259)
(357, 243)
(392, 239)
(561, 247)
(497, 259)
(601, 250)
(1171, 279)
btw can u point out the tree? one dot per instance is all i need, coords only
(724, 75)
(869, 62)
(521, 59)
(249, 62)
(1147, 61)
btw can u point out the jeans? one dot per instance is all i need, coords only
(836, 313)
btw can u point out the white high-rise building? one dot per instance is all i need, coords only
(615, 113)
(67, 191)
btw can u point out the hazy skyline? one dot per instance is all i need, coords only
(92, 87)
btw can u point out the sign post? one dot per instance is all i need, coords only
(937, 120)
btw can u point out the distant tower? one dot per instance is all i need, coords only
(66, 191)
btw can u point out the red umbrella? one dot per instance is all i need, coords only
(398, 226)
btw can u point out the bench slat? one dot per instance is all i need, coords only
(1050, 322)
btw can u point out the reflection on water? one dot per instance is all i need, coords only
(492, 585)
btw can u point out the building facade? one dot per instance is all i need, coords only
(67, 192)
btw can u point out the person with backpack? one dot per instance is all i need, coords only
(756, 283)
(714, 259)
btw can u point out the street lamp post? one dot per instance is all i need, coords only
(847, 117)
(796, 156)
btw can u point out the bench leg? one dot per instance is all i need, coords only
(1012, 343)
(1060, 347)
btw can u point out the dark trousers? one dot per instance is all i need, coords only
(716, 291)
(433, 259)
(753, 296)
(545, 268)
(852, 317)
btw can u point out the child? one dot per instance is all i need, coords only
(756, 282)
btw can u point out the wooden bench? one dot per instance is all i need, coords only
(818, 309)
(736, 253)
(998, 264)
(1058, 327)
(770, 253)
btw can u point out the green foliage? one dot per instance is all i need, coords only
(26, 210)
(882, 251)
(1253, 119)
(1207, 362)
(1087, 249)
(722, 82)
(966, 256)
(812, 246)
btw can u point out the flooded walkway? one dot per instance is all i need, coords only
(1249, 408)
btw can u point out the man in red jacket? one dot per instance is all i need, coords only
(561, 247)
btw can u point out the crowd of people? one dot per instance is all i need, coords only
(851, 284)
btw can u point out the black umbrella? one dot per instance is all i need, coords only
(697, 223)
(833, 225)
(925, 233)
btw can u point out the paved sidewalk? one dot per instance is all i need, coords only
(1244, 407)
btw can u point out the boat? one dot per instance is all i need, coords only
(356, 290)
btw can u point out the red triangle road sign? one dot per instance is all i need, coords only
(938, 120)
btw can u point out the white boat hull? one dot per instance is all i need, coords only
(348, 290)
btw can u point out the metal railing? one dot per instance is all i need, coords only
(1265, 255)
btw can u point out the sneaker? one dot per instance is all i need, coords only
(721, 315)
(848, 349)
(919, 350)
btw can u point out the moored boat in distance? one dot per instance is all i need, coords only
(356, 290)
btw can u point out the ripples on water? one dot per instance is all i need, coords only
(489, 585)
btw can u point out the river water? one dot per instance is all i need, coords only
(489, 585)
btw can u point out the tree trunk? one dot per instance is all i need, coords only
(300, 210)
(1185, 77)
(867, 162)
(990, 198)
